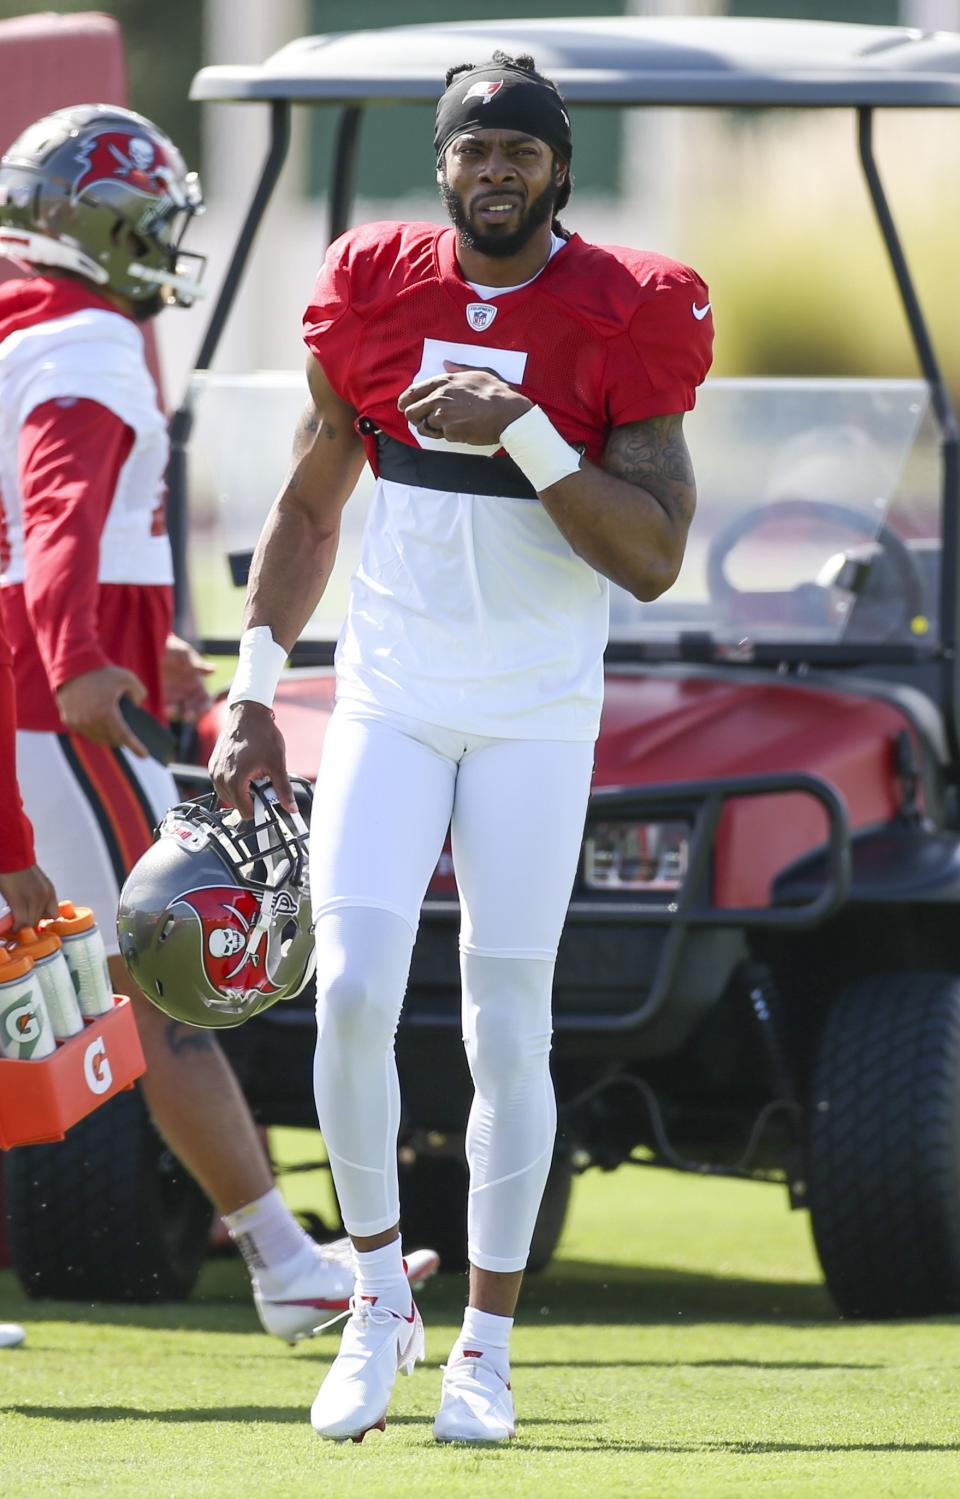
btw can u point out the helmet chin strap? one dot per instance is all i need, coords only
(40, 249)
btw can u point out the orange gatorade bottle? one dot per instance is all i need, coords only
(56, 985)
(25, 1030)
(86, 956)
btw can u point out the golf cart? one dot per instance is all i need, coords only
(760, 974)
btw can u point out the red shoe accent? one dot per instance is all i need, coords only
(314, 1301)
(380, 1425)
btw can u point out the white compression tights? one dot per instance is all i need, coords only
(387, 789)
(363, 956)
(513, 1120)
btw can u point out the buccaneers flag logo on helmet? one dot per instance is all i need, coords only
(133, 159)
(236, 953)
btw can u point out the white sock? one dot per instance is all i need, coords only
(269, 1238)
(488, 1335)
(381, 1277)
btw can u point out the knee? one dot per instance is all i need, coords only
(351, 1005)
(503, 1049)
(362, 961)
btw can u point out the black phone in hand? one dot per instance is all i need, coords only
(155, 737)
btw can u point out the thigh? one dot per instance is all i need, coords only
(380, 814)
(94, 811)
(517, 831)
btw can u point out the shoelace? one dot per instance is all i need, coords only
(365, 1313)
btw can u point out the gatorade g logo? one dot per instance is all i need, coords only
(22, 1027)
(227, 916)
(97, 1072)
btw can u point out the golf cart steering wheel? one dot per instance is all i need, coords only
(809, 603)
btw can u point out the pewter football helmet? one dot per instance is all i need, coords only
(100, 191)
(214, 918)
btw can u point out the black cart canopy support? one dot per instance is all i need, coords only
(946, 419)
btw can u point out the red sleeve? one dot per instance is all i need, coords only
(654, 368)
(329, 325)
(16, 834)
(70, 456)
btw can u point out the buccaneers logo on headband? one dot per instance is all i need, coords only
(236, 956)
(499, 96)
(483, 91)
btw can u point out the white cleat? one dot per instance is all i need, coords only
(476, 1402)
(377, 1343)
(307, 1304)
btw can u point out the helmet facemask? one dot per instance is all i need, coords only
(214, 919)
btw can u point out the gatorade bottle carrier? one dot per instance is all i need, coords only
(40, 1099)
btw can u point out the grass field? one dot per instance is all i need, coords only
(680, 1345)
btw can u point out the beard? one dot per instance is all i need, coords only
(536, 213)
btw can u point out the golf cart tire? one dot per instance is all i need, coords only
(433, 1197)
(107, 1214)
(883, 1149)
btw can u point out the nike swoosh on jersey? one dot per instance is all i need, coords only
(700, 312)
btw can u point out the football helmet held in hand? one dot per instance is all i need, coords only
(214, 919)
(100, 191)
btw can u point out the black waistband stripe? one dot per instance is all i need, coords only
(456, 473)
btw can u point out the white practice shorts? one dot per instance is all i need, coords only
(390, 786)
(94, 810)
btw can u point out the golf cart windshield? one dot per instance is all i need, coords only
(818, 522)
(825, 505)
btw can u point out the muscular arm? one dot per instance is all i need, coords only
(298, 544)
(628, 518)
(290, 569)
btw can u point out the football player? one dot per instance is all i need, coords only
(94, 205)
(520, 395)
(24, 888)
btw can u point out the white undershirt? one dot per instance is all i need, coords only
(489, 292)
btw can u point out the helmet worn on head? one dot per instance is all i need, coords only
(100, 191)
(214, 918)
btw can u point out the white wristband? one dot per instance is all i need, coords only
(258, 670)
(538, 450)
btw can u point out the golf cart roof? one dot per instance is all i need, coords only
(618, 60)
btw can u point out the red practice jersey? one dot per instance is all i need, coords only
(86, 568)
(16, 834)
(607, 335)
(469, 608)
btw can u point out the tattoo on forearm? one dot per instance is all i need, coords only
(309, 425)
(187, 1038)
(654, 456)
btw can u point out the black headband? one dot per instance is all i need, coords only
(495, 98)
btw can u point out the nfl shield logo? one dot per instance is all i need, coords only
(480, 315)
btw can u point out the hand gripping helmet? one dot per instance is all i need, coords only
(98, 190)
(214, 918)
